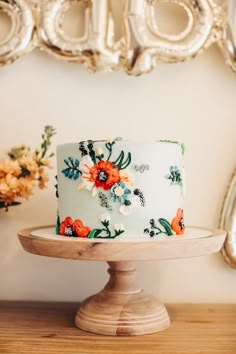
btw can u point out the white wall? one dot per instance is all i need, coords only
(193, 102)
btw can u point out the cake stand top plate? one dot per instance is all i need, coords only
(196, 242)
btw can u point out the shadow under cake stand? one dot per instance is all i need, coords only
(122, 307)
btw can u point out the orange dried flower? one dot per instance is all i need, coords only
(21, 170)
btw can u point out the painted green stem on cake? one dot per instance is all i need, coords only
(117, 233)
(100, 157)
(126, 163)
(107, 230)
(120, 163)
(159, 230)
(96, 233)
(109, 148)
(92, 153)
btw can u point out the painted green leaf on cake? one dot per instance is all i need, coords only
(57, 229)
(174, 176)
(166, 226)
(94, 233)
(72, 170)
(121, 163)
(163, 226)
(119, 159)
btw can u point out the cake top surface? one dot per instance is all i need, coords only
(121, 140)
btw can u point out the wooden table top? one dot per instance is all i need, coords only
(47, 328)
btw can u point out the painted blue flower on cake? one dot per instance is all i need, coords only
(120, 193)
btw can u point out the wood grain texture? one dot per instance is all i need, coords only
(107, 250)
(122, 308)
(47, 328)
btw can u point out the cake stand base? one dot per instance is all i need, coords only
(122, 308)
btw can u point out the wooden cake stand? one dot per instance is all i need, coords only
(121, 308)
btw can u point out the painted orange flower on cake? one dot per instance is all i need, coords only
(80, 229)
(76, 228)
(177, 223)
(66, 228)
(103, 174)
(96, 170)
(71, 228)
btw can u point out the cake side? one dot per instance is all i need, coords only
(110, 189)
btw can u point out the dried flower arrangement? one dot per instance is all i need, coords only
(22, 170)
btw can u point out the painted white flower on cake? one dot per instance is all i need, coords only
(119, 227)
(98, 151)
(128, 209)
(85, 165)
(105, 218)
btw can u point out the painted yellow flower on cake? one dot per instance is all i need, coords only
(127, 178)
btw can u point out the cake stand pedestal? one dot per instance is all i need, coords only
(122, 308)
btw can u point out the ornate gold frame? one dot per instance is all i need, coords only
(228, 223)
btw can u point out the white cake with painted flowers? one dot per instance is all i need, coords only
(120, 190)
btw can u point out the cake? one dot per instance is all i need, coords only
(118, 189)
